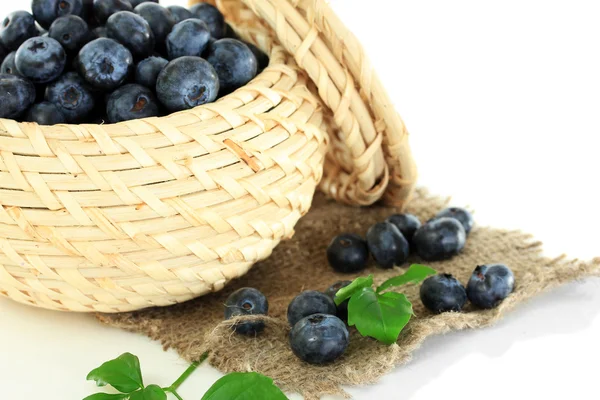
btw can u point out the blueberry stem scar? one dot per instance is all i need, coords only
(186, 374)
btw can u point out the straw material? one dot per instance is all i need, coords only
(158, 211)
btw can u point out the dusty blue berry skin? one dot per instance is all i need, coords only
(17, 94)
(103, 9)
(132, 31)
(131, 101)
(45, 113)
(180, 13)
(46, 11)
(187, 82)
(188, 38)
(234, 62)
(443, 293)
(439, 239)
(16, 28)
(72, 32)
(387, 245)
(247, 301)
(213, 18)
(105, 64)
(407, 224)
(135, 3)
(490, 284)
(41, 59)
(9, 66)
(307, 303)
(159, 18)
(319, 339)
(460, 214)
(342, 309)
(72, 96)
(348, 253)
(262, 58)
(147, 71)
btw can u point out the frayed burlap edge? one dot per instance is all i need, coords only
(299, 264)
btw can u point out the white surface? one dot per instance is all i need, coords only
(502, 102)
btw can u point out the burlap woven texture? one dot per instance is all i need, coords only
(300, 264)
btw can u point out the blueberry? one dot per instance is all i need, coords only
(41, 59)
(490, 284)
(45, 113)
(348, 253)
(319, 339)
(460, 214)
(439, 239)
(406, 223)
(180, 13)
(135, 3)
(261, 57)
(146, 72)
(442, 293)
(187, 82)
(234, 62)
(71, 32)
(160, 19)
(132, 31)
(213, 18)
(342, 309)
(16, 95)
(308, 303)
(387, 245)
(100, 32)
(105, 63)
(17, 27)
(103, 9)
(188, 38)
(247, 301)
(8, 65)
(72, 96)
(131, 101)
(46, 11)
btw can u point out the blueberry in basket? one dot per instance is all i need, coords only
(46, 12)
(234, 62)
(103, 9)
(105, 63)
(212, 17)
(188, 38)
(16, 95)
(243, 302)
(146, 72)
(132, 31)
(9, 66)
(180, 13)
(159, 18)
(45, 113)
(41, 59)
(17, 27)
(73, 97)
(71, 32)
(131, 101)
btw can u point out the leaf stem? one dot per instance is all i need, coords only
(173, 388)
(174, 393)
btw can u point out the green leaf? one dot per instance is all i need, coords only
(356, 286)
(415, 274)
(151, 392)
(106, 396)
(244, 386)
(123, 373)
(380, 316)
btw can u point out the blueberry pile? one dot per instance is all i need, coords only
(84, 61)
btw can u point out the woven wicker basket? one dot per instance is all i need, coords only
(158, 211)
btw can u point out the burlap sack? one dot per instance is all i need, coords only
(299, 264)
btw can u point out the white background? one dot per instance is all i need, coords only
(502, 99)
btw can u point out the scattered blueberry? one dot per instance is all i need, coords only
(8, 65)
(132, 31)
(439, 239)
(131, 101)
(308, 303)
(319, 339)
(213, 18)
(17, 27)
(490, 284)
(187, 82)
(342, 309)
(188, 38)
(234, 62)
(159, 18)
(247, 301)
(348, 253)
(46, 11)
(103, 9)
(45, 113)
(105, 63)
(460, 214)
(71, 32)
(146, 72)
(41, 59)
(180, 13)
(262, 58)
(407, 224)
(16, 95)
(387, 245)
(442, 293)
(72, 96)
